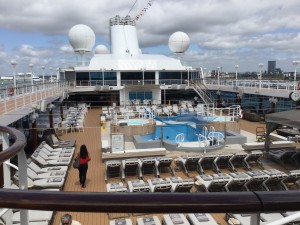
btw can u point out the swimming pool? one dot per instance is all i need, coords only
(171, 131)
(217, 118)
(132, 122)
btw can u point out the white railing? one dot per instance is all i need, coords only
(26, 95)
(229, 113)
(266, 84)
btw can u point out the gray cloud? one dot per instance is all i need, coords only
(223, 33)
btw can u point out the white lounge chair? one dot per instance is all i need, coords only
(188, 162)
(253, 158)
(148, 220)
(39, 169)
(292, 179)
(274, 181)
(244, 219)
(46, 183)
(64, 150)
(212, 183)
(159, 185)
(206, 161)
(131, 167)
(54, 162)
(122, 221)
(52, 155)
(34, 176)
(44, 144)
(34, 216)
(237, 182)
(164, 163)
(181, 185)
(138, 186)
(221, 161)
(270, 217)
(147, 165)
(173, 219)
(256, 181)
(201, 218)
(113, 168)
(274, 145)
(61, 143)
(237, 160)
(116, 187)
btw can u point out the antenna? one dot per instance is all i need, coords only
(132, 7)
(143, 11)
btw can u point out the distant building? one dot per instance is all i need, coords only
(271, 66)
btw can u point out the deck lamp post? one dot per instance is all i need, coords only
(102, 69)
(143, 71)
(31, 68)
(260, 65)
(14, 64)
(218, 70)
(43, 68)
(50, 68)
(236, 68)
(188, 69)
(295, 64)
(164, 94)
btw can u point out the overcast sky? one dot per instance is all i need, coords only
(223, 33)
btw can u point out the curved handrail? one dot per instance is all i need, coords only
(18, 145)
(221, 202)
(274, 201)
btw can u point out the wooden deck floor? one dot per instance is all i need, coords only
(91, 137)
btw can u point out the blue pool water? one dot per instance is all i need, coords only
(171, 131)
(131, 122)
(181, 124)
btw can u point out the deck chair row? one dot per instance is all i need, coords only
(138, 167)
(255, 180)
(285, 156)
(170, 219)
(171, 184)
(265, 218)
(47, 167)
(218, 161)
(35, 217)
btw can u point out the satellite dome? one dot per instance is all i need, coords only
(101, 49)
(179, 42)
(82, 38)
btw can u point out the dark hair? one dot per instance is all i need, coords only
(66, 219)
(83, 151)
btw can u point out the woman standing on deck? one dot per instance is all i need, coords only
(84, 158)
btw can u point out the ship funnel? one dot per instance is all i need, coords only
(123, 36)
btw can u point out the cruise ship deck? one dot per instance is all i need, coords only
(91, 137)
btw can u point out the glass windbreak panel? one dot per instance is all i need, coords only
(148, 95)
(110, 78)
(131, 75)
(82, 76)
(96, 75)
(133, 95)
(184, 75)
(170, 75)
(149, 75)
(110, 75)
(194, 75)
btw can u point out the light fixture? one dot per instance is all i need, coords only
(40, 133)
(34, 116)
(51, 106)
(273, 100)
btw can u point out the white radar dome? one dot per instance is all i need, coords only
(179, 42)
(82, 38)
(101, 49)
